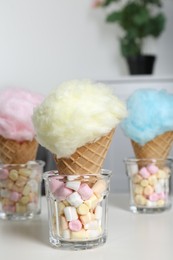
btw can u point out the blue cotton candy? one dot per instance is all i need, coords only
(150, 113)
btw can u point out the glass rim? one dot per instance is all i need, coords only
(37, 162)
(154, 160)
(54, 173)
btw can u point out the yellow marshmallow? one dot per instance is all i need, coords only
(83, 209)
(99, 187)
(13, 175)
(152, 180)
(92, 202)
(148, 190)
(20, 208)
(160, 203)
(162, 174)
(79, 235)
(140, 200)
(144, 183)
(138, 189)
(87, 218)
(24, 200)
(21, 181)
(61, 207)
(25, 172)
(137, 178)
(26, 190)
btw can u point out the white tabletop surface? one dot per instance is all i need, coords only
(131, 237)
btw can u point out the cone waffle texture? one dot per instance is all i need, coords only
(87, 159)
(13, 152)
(158, 148)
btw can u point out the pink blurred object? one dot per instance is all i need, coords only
(153, 169)
(16, 109)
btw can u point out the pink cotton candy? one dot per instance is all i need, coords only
(16, 110)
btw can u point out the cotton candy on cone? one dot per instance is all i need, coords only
(158, 148)
(13, 152)
(87, 159)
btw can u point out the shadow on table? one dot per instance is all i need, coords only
(31, 230)
(120, 201)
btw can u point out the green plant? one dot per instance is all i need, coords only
(139, 19)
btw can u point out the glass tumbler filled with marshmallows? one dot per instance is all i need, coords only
(77, 209)
(20, 190)
(150, 184)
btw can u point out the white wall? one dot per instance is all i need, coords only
(44, 42)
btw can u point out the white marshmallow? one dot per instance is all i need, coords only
(92, 225)
(74, 185)
(34, 185)
(74, 199)
(98, 212)
(151, 204)
(159, 187)
(133, 169)
(93, 233)
(70, 213)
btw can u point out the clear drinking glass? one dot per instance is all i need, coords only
(20, 190)
(150, 184)
(77, 209)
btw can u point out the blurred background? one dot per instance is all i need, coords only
(43, 43)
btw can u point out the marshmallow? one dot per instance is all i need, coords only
(24, 200)
(153, 197)
(26, 190)
(83, 209)
(24, 172)
(159, 187)
(8, 208)
(4, 174)
(138, 189)
(4, 193)
(93, 233)
(55, 184)
(148, 190)
(74, 185)
(86, 218)
(151, 204)
(140, 200)
(63, 223)
(66, 234)
(70, 213)
(132, 169)
(152, 180)
(75, 225)
(33, 184)
(99, 187)
(61, 207)
(21, 181)
(62, 193)
(153, 169)
(137, 178)
(15, 196)
(160, 203)
(85, 191)
(80, 235)
(98, 212)
(13, 175)
(162, 174)
(144, 172)
(92, 202)
(20, 208)
(92, 225)
(144, 183)
(75, 199)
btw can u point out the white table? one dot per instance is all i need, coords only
(131, 237)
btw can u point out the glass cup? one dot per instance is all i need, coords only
(77, 209)
(20, 190)
(150, 184)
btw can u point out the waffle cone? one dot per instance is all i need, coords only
(158, 148)
(13, 152)
(87, 159)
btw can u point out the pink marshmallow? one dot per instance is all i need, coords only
(154, 197)
(4, 174)
(144, 173)
(55, 184)
(9, 208)
(153, 169)
(75, 225)
(62, 192)
(15, 196)
(85, 191)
